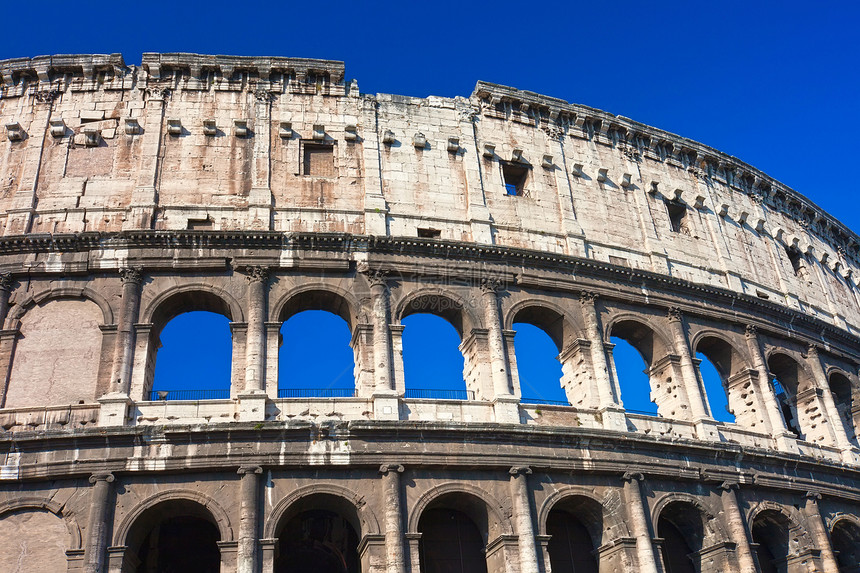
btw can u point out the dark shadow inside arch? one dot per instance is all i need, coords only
(194, 359)
(843, 397)
(315, 357)
(681, 526)
(538, 366)
(318, 300)
(575, 527)
(786, 372)
(319, 534)
(432, 361)
(846, 545)
(178, 535)
(454, 535)
(770, 531)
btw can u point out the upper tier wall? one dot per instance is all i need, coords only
(216, 142)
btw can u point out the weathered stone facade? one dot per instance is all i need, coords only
(261, 187)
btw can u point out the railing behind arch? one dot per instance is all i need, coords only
(428, 394)
(162, 395)
(316, 393)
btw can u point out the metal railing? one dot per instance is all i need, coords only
(643, 413)
(316, 392)
(162, 395)
(527, 400)
(429, 394)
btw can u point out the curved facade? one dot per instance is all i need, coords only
(258, 188)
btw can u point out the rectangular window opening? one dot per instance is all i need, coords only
(318, 159)
(199, 224)
(678, 217)
(515, 178)
(429, 233)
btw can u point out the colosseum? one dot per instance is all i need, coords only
(261, 188)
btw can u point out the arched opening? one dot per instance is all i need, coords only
(191, 352)
(718, 361)
(845, 538)
(786, 386)
(32, 541)
(432, 362)
(632, 354)
(57, 355)
(575, 526)
(315, 357)
(843, 397)
(319, 534)
(770, 532)
(454, 535)
(681, 526)
(176, 535)
(538, 367)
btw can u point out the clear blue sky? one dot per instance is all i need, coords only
(772, 83)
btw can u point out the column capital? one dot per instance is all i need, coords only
(245, 470)
(6, 281)
(376, 277)
(751, 331)
(520, 470)
(813, 350)
(491, 285)
(729, 485)
(675, 314)
(106, 477)
(256, 273)
(133, 275)
(633, 476)
(586, 297)
(384, 469)
(813, 496)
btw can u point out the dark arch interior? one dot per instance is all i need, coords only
(450, 542)
(574, 526)
(547, 320)
(843, 396)
(846, 544)
(786, 380)
(720, 353)
(188, 302)
(317, 300)
(770, 532)
(439, 305)
(317, 541)
(639, 337)
(682, 528)
(176, 536)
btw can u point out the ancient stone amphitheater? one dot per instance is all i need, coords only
(259, 188)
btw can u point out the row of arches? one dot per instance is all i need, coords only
(454, 531)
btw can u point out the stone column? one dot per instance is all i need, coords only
(97, 525)
(523, 525)
(774, 414)
(123, 355)
(695, 392)
(414, 541)
(505, 404)
(7, 339)
(837, 425)
(248, 518)
(393, 517)
(381, 336)
(6, 281)
(255, 357)
(819, 531)
(737, 527)
(638, 516)
(606, 394)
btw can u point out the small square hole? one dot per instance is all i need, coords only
(429, 233)
(515, 178)
(318, 160)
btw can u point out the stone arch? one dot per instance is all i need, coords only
(558, 322)
(221, 518)
(331, 298)
(660, 345)
(57, 293)
(609, 520)
(42, 503)
(796, 538)
(713, 527)
(795, 379)
(739, 360)
(495, 510)
(733, 366)
(177, 299)
(367, 524)
(441, 302)
(844, 533)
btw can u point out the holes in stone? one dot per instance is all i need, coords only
(515, 177)
(318, 159)
(429, 233)
(678, 217)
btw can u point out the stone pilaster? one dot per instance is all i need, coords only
(523, 523)
(505, 404)
(837, 424)
(123, 356)
(247, 553)
(694, 390)
(778, 429)
(638, 518)
(255, 359)
(6, 282)
(98, 528)
(381, 336)
(819, 531)
(393, 517)
(737, 527)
